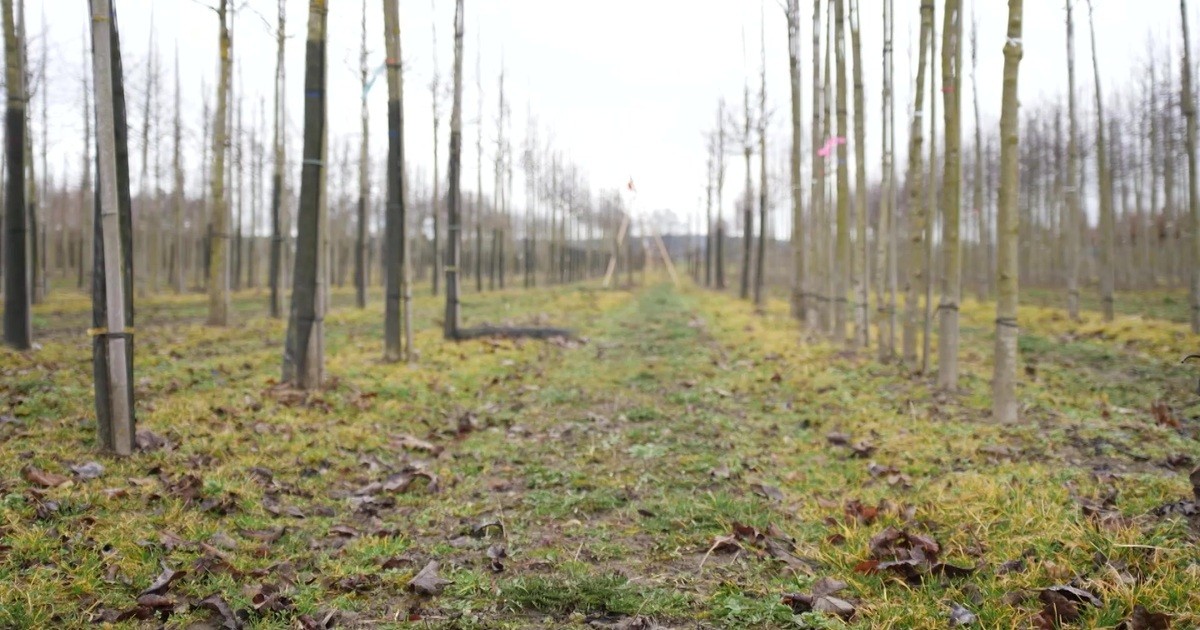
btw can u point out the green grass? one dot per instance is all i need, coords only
(613, 466)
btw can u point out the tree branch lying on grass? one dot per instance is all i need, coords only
(512, 332)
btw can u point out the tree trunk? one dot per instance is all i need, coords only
(760, 255)
(454, 191)
(112, 302)
(816, 200)
(915, 272)
(177, 202)
(1104, 179)
(951, 198)
(861, 264)
(218, 261)
(747, 202)
(276, 300)
(799, 282)
(1004, 380)
(303, 356)
(364, 181)
(18, 331)
(884, 262)
(1188, 103)
(843, 261)
(394, 226)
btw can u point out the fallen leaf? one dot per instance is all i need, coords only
(770, 492)
(214, 603)
(480, 530)
(413, 443)
(1075, 594)
(960, 616)
(837, 438)
(427, 581)
(90, 470)
(1142, 619)
(496, 554)
(163, 581)
(263, 535)
(827, 586)
(946, 569)
(39, 477)
(146, 440)
(154, 600)
(834, 606)
(1057, 608)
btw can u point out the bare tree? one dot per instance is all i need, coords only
(1187, 101)
(1004, 380)
(396, 217)
(18, 331)
(218, 262)
(112, 303)
(277, 165)
(951, 197)
(916, 272)
(303, 361)
(1074, 211)
(454, 191)
(799, 286)
(1104, 180)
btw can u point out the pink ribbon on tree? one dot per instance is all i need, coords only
(830, 144)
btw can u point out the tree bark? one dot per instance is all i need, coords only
(18, 331)
(843, 261)
(218, 261)
(1074, 210)
(951, 197)
(394, 226)
(112, 301)
(1188, 103)
(454, 191)
(276, 271)
(1104, 180)
(915, 272)
(799, 282)
(303, 360)
(861, 265)
(1004, 380)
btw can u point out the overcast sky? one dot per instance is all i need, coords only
(625, 88)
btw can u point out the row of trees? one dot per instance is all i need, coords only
(219, 240)
(912, 237)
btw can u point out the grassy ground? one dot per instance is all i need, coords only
(683, 466)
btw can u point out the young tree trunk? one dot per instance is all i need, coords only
(85, 188)
(18, 331)
(861, 264)
(951, 198)
(799, 282)
(720, 245)
(1004, 380)
(1188, 104)
(435, 88)
(112, 302)
(276, 271)
(1074, 210)
(177, 202)
(394, 226)
(1104, 179)
(931, 206)
(983, 246)
(816, 199)
(303, 360)
(218, 261)
(747, 201)
(760, 255)
(884, 262)
(454, 190)
(364, 181)
(915, 272)
(843, 262)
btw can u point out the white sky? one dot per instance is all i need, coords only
(626, 88)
